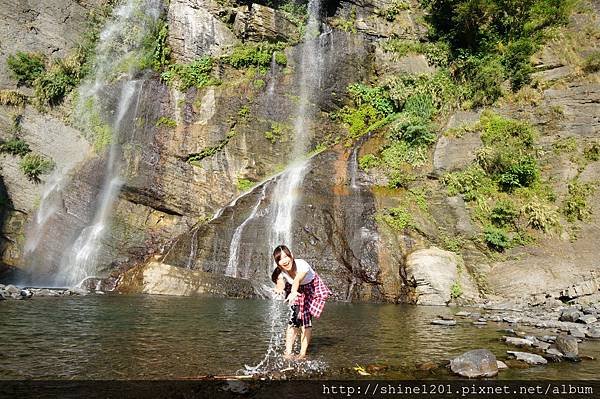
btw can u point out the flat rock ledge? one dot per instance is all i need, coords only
(529, 358)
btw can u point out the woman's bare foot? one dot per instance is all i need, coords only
(289, 356)
(301, 357)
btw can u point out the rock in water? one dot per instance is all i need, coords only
(517, 341)
(529, 358)
(475, 363)
(570, 314)
(444, 322)
(587, 319)
(567, 345)
(593, 332)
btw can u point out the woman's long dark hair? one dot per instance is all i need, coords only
(277, 256)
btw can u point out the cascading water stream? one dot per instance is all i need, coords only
(81, 260)
(354, 168)
(234, 247)
(117, 54)
(285, 193)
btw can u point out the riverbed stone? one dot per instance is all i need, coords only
(587, 319)
(11, 289)
(554, 353)
(441, 322)
(541, 345)
(570, 314)
(463, 314)
(576, 332)
(475, 363)
(517, 341)
(568, 345)
(501, 365)
(529, 358)
(548, 338)
(593, 332)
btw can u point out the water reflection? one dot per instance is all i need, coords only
(126, 337)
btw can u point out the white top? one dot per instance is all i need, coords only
(301, 266)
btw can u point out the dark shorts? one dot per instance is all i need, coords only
(295, 321)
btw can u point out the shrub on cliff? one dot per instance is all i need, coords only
(25, 68)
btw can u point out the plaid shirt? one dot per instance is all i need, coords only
(311, 299)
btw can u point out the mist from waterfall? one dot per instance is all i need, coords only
(117, 54)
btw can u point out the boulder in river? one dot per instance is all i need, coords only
(475, 363)
(567, 344)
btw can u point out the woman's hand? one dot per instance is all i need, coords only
(280, 286)
(292, 297)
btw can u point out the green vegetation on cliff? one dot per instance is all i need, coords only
(53, 79)
(492, 40)
(33, 165)
(504, 184)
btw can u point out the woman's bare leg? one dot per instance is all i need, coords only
(290, 339)
(304, 341)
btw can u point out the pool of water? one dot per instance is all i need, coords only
(156, 337)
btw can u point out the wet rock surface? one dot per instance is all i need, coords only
(474, 364)
(529, 358)
(13, 292)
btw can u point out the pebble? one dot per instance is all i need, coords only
(463, 314)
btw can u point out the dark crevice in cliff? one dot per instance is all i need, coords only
(139, 196)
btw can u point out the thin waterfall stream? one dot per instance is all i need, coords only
(116, 53)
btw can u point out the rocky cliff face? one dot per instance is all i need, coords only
(184, 210)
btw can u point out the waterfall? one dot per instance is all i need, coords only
(354, 168)
(286, 192)
(81, 260)
(234, 247)
(117, 54)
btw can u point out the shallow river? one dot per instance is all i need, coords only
(154, 337)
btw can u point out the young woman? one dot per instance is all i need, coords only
(304, 290)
